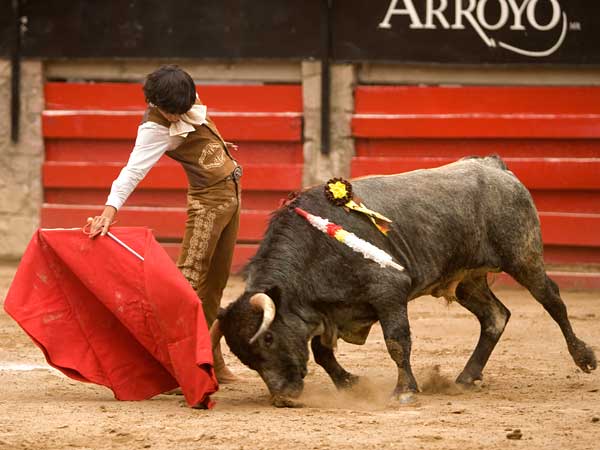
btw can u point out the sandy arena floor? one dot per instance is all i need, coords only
(531, 385)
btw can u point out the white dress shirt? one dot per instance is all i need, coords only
(152, 141)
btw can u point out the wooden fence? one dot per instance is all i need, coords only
(89, 130)
(548, 136)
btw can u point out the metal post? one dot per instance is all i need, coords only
(15, 99)
(325, 74)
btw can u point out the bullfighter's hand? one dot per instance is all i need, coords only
(99, 225)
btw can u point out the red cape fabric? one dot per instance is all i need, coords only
(102, 315)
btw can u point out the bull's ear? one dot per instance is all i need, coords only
(275, 294)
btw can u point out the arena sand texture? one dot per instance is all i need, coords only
(532, 397)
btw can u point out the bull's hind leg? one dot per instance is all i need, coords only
(545, 291)
(325, 357)
(476, 296)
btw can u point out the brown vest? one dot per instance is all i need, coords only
(203, 153)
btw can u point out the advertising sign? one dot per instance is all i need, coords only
(557, 32)
(468, 31)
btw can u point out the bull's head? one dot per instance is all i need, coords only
(269, 338)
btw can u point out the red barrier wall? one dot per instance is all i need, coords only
(89, 130)
(548, 136)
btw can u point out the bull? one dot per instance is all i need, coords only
(451, 226)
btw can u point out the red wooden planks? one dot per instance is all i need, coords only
(535, 173)
(251, 199)
(89, 130)
(118, 150)
(548, 136)
(463, 146)
(571, 229)
(570, 255)
(279, 177)
(476, 112)
(97, 196)
(567, 201)
(519, 100)
(476, 126)
(547, 201)
(94, 96)
(565, 279)
(166, 223)
(88, 150)
(124, 125)
(129, 96)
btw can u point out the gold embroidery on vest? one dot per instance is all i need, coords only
(212, 152)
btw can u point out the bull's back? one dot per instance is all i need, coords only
(472, 211)
(466, 186)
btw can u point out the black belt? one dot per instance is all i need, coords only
(236, 174)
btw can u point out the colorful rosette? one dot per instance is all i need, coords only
(338, 191)
(357, 244)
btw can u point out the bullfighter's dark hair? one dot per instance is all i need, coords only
(171, 89)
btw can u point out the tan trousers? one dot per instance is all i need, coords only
(210, 234)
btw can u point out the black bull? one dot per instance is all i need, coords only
(451, 226)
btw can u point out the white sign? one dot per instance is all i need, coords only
(520, 16)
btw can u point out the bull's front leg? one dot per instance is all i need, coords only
(396, 331)
(325, 357)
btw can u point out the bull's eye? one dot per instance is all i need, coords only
(268, 338)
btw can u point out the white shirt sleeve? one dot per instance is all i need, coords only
(151, 143)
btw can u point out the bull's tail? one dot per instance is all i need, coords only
(493, 160)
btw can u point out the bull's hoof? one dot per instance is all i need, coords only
(347, 381)
(285, 402)
(404, 399)
(583, 356)
(408, 398)
(469, 381)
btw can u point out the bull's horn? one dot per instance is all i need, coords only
(215, 334)
(264, 302)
